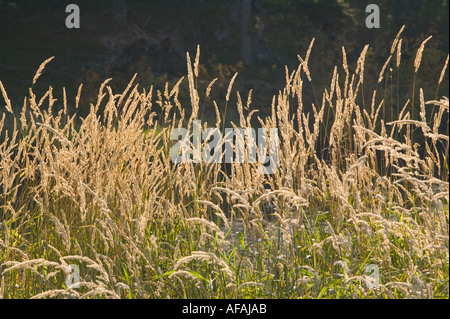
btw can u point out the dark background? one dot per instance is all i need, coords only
(119, 38)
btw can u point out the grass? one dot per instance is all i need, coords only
(351, 191)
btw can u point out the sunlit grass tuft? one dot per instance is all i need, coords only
(352, 191)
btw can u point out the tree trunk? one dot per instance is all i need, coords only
(119, 10)
(246, 40)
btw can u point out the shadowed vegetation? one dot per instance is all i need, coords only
(353, 188)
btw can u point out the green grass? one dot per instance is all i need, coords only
(101, 193)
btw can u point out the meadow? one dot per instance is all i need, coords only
(357, 188)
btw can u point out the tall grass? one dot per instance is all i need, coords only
(101, 192)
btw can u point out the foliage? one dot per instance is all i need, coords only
(352, 189)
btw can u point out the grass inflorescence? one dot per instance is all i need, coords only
(352, 191)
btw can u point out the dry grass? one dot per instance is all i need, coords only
(102, 193)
